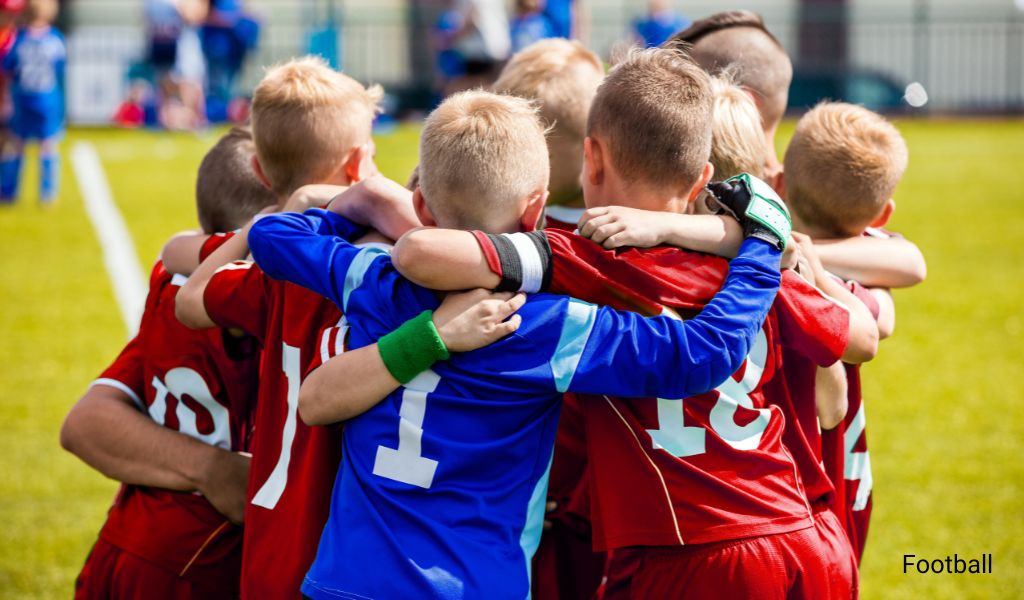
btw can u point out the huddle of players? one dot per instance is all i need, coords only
(755, 484)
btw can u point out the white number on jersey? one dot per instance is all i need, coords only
(858, 464)
(407, 463)
(681, 440)
(181, 382)
(270, 492)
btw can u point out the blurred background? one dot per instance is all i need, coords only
(937, 56)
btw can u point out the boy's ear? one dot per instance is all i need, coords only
(256, 168)
(702, 182)
(359, 164)
(883, 217)
(421, 208)
(778, 183)
(593, 157)
(534, 211)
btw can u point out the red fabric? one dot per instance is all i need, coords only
(490, 252)
(719, 493)
(845, 454)
(564, 566)
(783, 566)
(202, 383)
(212, 243)
(281, 538)
(111, 573)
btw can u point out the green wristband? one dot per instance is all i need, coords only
(412, 348)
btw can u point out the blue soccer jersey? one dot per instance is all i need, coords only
(36, 66)
(442, 485)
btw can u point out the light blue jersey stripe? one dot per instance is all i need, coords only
(579, 321)
(354, 277)
(529, 540)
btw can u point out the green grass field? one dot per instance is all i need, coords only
(944, 398)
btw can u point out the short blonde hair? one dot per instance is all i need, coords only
(306, 118)
(737, 138)
(481, 154)
(562, 76)
(654, 111)
(842, 166)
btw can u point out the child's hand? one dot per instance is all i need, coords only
(474, 319)
(617, 226)
(312, 196)
(808, 264)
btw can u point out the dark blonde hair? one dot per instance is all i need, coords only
(654, 112)
(841, 167)
(228, 193)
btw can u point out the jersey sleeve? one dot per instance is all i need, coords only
(603, 351)
(127, 373)
(238, 295)
(331, 341)
(811, 323)
(212, 243)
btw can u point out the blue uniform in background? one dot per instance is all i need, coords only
(36, 67)
(559, 14)
(442, 485)
(528, 29)
(655, 29)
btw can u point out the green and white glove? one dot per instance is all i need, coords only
(756, 206)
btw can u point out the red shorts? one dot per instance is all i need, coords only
(798, 564)
(113, 574)
(565, 566)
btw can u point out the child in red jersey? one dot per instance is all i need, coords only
(312, 128)
(170, 419)
(841, 169)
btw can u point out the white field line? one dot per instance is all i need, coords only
(119, 256)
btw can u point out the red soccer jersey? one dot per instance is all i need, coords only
(845, 453)
(293, 465)
(712, 467)
(201, 383)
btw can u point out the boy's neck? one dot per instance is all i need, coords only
(637, 195)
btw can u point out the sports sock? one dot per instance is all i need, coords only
(49, 176)
(10, 173)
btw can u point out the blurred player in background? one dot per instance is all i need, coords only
(10, 10)
(35, 65)
(528, 24)
(659, 24)
(169, 419)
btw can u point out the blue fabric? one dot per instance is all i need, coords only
(49, 176)
(529, 29)
(10, 177)
(655, 29)
(559, 14)
(36, 67)
(437, 481)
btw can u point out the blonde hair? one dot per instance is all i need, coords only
(228, 193)
(481, 154)
(737, 138)
(306, 118)
(562, 76)
(842, 166)
(653, 111)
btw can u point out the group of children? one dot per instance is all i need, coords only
(658, 398)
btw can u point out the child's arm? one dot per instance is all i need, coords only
(189, 306)
(893, 262)
(618, 226)
(886, 312)
(862, 344)
(181, 253)
(351, 383)
(830, 395)
(443, 259)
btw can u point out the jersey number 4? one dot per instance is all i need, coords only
(681, 440)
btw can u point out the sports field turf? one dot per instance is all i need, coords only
(945, 399)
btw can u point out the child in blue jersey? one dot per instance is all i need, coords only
(529, 25)
(660, 23)
(442, 485)
(36, 67)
